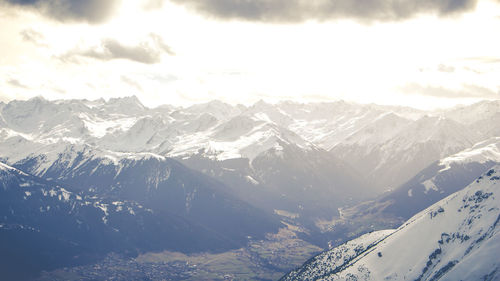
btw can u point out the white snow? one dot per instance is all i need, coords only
(53, 193)
(488, 150)
(429, 185)
(65, 194)
(252, 180)
(392, 143)
(287, 214)
(458, 238)
(5, 167)
(100, 127)
(104, 209)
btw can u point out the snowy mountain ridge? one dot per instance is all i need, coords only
(393, 143)
(443, 242)
(230, 144)
(484, 151)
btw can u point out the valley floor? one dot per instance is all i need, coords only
(262, 260)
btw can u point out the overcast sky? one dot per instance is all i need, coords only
(422, 53)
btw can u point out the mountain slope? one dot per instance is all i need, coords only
(457, 238)
(418, 144)
(430, 185)
(158, 183)
(45, 226)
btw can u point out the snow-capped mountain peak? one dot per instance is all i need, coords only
(384, 140)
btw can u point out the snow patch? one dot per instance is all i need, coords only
(286, 214)
(252, 180)
(429, 184)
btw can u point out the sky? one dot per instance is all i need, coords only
(421, 53)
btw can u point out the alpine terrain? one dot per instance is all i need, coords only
(91, 188)
(458, 238)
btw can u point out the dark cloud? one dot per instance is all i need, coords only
(34, 37)
(91, 11)
(467, 91)
(301, 10)
(148, 52)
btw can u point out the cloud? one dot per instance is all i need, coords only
(158, 40)
(484, 59)
(473, 70)
(162, 78)
(91, 11)
(467, 91)
(34, 37)
(16, 83)
(152, 4)
(112, 49)
(131, 83)
(446, 68)
(147, 52)
(302, 10)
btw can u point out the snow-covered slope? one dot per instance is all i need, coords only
(482, 152)
(331, 124)
(458, 238)
(430, 185)
(444, 177)
(484, 110)
(415, 145)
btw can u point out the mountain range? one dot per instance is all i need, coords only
(215, 177)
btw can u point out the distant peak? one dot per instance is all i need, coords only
(38, 98)
(126, 100)
(261, 103)
(216, 102)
